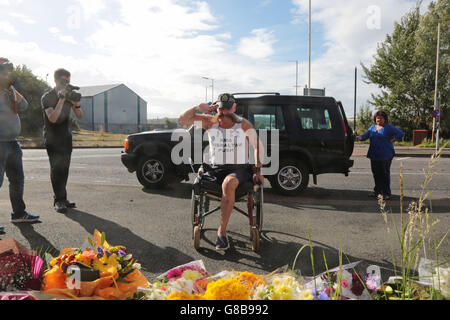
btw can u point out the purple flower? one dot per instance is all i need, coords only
(322, 295)
(121, 253)
(108, 253)
(100, 252)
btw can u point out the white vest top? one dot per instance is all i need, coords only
(228, 146)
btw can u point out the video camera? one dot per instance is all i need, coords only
(71, 93)
(6, 67)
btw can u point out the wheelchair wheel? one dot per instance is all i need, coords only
(259, 203)
(197, 237)
(194, 209)
(256, 239)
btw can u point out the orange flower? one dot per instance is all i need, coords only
(54, 279)
(183, 296)
(250, 280)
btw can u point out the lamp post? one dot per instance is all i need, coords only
(309, 55)
(436, 79)
(212, 86)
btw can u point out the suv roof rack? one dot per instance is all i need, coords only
(257, 93)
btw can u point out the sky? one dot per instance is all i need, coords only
(163, 49)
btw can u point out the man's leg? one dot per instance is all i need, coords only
(229, 186)
(59, 172)
(3, 154)
(14, 172)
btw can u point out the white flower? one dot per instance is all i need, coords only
(137, 266)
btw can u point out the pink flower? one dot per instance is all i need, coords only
(344, 283)
(175, 274)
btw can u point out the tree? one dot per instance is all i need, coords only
(365, 118)
(404, 68)
(32, 89)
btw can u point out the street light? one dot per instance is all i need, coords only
(296, 82)
(212, 86)
(309, 76)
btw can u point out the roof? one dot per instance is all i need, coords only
(95, 90)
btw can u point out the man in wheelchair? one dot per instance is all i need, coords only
(230, 138)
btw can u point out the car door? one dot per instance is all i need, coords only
(269, 117)
(320, 130)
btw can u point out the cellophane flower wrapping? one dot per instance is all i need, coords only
(118, 273)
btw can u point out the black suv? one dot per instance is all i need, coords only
(314, 138)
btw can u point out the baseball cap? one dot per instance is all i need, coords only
(226, 101)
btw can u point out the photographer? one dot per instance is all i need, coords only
(11, 103)
(57, 105)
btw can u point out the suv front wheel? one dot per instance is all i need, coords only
(292, 178)
(153, 172)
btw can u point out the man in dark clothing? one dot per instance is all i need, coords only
(58, 136)
(12, 102)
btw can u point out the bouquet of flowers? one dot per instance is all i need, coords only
(99, 271)
(20, 268)
(192, 282)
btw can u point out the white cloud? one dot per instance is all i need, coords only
(64, 38)
(260, 46)
(92, 8)
(23, 18)
(8, 28)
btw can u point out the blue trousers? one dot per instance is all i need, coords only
(11, 164)
(381, 171)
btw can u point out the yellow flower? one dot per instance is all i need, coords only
(183, 296)
(192, 275)
(106, 265)
(282, 292)
(230, 289)
(306, 295)
(83, 260)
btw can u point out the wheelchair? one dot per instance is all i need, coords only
(204, 189)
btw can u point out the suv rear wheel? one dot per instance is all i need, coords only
(292, 178)
(153, 172)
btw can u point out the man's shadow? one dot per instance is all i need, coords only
(154, 259)
(37, 242)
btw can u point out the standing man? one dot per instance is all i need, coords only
(58, 136)
(229, 138)
(12, 102)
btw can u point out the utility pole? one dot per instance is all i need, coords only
(309, 76)
(437, 78)
(356, 92)
(438, 121)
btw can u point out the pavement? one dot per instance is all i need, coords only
(401, 151)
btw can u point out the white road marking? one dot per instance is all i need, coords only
(75, 157)
(402, 159)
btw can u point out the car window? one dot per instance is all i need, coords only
(314, 118)
(267, 117)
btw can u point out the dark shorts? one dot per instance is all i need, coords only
(242, 172)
